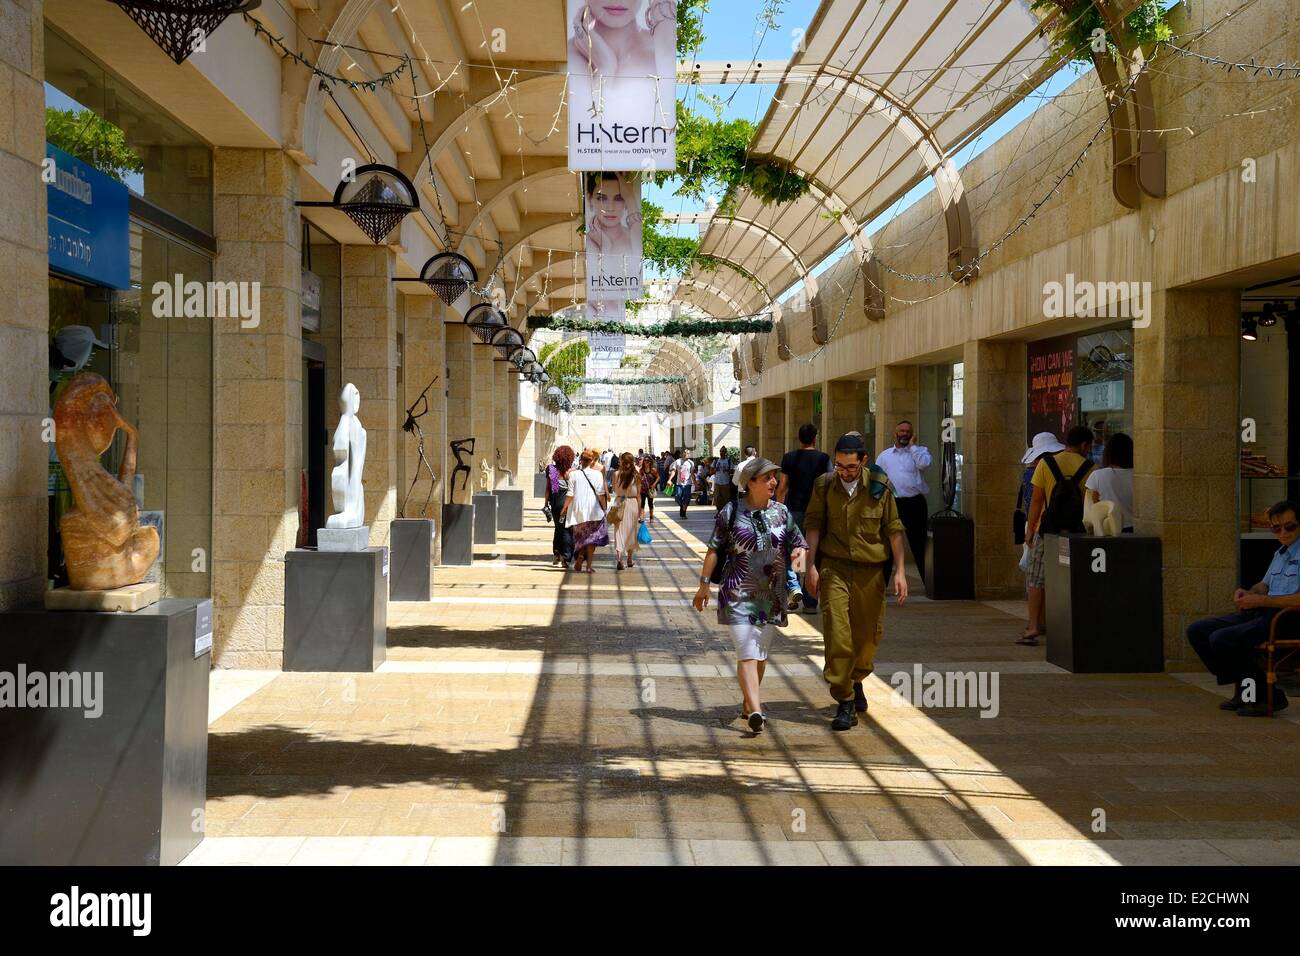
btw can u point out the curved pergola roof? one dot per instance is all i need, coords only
(876, 102)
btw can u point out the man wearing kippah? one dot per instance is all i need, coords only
(852, 526)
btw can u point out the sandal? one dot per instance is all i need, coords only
(1028, 639)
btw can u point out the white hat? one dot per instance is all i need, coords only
(1044, 443)
(75, 343)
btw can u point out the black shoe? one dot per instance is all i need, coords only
(1260, 708)
(844, 716)
(757, 721)
(1233, 704)
(859, 699)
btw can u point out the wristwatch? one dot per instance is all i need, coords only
(704, 580)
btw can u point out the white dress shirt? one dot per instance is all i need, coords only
(904, 467)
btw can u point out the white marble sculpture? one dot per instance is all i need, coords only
(1099, 518)
(350, 458)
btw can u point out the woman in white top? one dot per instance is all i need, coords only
(1113, 481)
(627, 489)
(584, 510)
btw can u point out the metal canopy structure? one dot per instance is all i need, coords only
(882, 96)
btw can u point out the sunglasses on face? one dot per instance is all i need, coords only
(1288, 527)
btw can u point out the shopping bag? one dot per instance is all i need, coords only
(669, 488)
(643, 533)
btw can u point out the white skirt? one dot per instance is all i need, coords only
(753, 641)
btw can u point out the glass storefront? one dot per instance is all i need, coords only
(941, 395)
(160, 367)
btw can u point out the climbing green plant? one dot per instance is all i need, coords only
(1073, 37)
(565, 361)
(93, 140)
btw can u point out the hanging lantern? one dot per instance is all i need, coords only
(449, 275)
(180, 27)
(507, 341)
(377, 198)
(484, 321)
(522, 357)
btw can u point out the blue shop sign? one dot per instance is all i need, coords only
(88, 226)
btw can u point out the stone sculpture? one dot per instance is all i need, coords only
(104, 546)
(459, 447)
(350, 455)
(484, 475)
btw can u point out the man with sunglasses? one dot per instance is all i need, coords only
(852, 525)
(1228, 644)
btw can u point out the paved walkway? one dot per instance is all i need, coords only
(529, 716)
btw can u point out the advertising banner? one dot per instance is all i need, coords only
(1051, 387)
(620, 115)
(612, 214)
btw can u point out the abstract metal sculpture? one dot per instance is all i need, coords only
(104, 544)
(412, 427)
(510, 475)
(459, 447)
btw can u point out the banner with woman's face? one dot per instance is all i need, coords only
(620, 115)
(612, 213)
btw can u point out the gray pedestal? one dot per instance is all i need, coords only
(541, 484)
(118, 789)
(485, 518)
(411, 559)
(335, 610)
(458, 534)
(1109, 621)
(510, 509)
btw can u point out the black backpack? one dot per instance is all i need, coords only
(1064, 511)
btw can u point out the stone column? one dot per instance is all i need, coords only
(798, 413)
(370, 363)
(772, 429)
(514, 434)
(24, 322)
(898, 397)
(503, 427)
(257, 416)
(1186, 435)
(424, 358)
(749, 425)
(993, 441)
(484, 409)
(460, 397)
(842, 407)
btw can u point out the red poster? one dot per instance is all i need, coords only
(1051, 387)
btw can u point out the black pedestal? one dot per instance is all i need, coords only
(126, 788)
(458, 534)
(1109, 621)
(950, 559)
(335, 610)
(411, 559)
(485, 518)
(510, 509)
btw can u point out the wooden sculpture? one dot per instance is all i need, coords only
(104, 545)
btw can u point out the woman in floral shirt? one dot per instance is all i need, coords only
(760, 539)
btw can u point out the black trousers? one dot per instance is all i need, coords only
(916, 518)
(1227, 645)
(562, 540)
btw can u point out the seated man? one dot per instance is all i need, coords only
(1228, 644)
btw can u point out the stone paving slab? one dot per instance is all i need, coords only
(531, 717)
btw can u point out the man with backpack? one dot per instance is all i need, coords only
(1056, 508)
(683, 480)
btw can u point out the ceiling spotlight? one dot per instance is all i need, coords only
(1248, 328)
(1268, 317)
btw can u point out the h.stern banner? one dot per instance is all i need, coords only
(620, 115)
(612, 213)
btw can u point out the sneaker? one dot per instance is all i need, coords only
(859, 699)
(1260, 708)
(757, 720)
(795, 602)
(844, 716)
